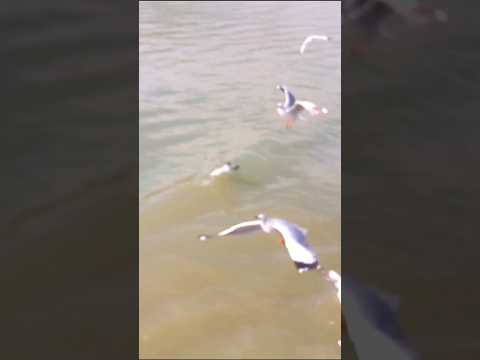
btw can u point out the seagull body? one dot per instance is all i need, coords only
(310, 38)
(291, 108)
(224, 169)
(293, 238)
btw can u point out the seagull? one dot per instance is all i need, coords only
(293, 238)
(292, 108)
(224, 169)
(310, 38)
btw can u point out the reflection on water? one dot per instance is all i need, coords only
(208, 73)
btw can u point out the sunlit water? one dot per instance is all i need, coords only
(208, 72)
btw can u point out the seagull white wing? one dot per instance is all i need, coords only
(310, 107)
(336, 279)
(243, 228)
(309, 39)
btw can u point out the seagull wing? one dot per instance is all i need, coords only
(242, 228)
(310, 107)
(295, 241)
(336, 279)
(309, 39)
(289, 99)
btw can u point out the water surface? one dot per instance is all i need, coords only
(208, 72)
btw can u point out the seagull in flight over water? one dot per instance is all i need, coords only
(293, 238)
(310, 38)
(292, 108)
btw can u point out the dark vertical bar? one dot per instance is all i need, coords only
(410, 159)
(69, 263)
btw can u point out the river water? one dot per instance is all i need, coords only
(208, 72)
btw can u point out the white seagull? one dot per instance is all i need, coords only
(310, 38)
(293, 238)
(224, 169)
(292, 108)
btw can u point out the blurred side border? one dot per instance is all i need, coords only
(69, 259)
(410, 155)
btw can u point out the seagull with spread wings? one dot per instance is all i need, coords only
(291, 108)
(292, 236)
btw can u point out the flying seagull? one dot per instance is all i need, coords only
(292, 108)
(293, 238)
(224, 169)
(310, 38)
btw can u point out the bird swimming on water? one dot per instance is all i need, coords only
(293, 238)
(224, 169)
(292, 108)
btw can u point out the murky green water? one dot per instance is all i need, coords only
(208, 72)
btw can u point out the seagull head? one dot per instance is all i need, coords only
(228, 166)
(281, 88)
